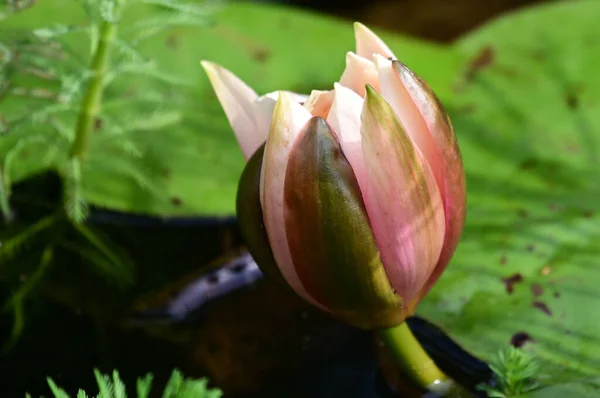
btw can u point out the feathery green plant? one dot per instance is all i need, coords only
(63, 89)
(516, 371)
(61, 83)
(12, 6)
(177, 387)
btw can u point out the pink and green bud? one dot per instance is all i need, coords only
(354, 197)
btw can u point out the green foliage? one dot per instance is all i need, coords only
(10, 7)
(113, 387)
(516, 373)
(55, 80)
(583, 388)
(527, 115)
(104, 256)
(38, 242)
(52, 80)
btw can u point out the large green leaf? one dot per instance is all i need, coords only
(191, 165)
(527, 112)
(581, 389)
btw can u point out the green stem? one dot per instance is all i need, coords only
(92, 100)
(415, 362)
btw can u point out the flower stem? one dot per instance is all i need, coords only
(92, 99)
(415, 362)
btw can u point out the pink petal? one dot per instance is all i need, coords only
(236, 99)
(402, 199)
(289, 118)
(358, 73)
(407, 112)
(368, 43)
(344, 121)
(454, 190)
(319, 103)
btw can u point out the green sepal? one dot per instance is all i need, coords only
(250, 219)
(329, 234)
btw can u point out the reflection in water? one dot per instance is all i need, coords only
(238, 272)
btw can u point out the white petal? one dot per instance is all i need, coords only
(300, 98)
(319, 103)
(236, 99)
(264, 106)
(344, 120)
(289, 118)
(263, 112)
(358, 73)
(368, 43)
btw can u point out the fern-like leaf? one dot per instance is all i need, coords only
(17, 326)
(142, 174)
(144, 386)
(56, 390)
(55, 32)
(104, 384)
(119, 390)
(107, 258)
(13, 6)
(33, 279)
(17, 299)
(14, 244)
(517, 373)
(183, 7)
(75, 206)
(177, 387)
(7, 213)
(82, 394)
(12, 153)
(110, 271)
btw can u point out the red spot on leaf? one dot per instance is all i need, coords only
(176, 201)
(511, 281)
(542, 307)
(520, 338)
(483, 59)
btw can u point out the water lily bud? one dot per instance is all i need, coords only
(357, 199)
(329, 235)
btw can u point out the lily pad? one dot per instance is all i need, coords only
(527, 112)
(186, 161)
(580, 389)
